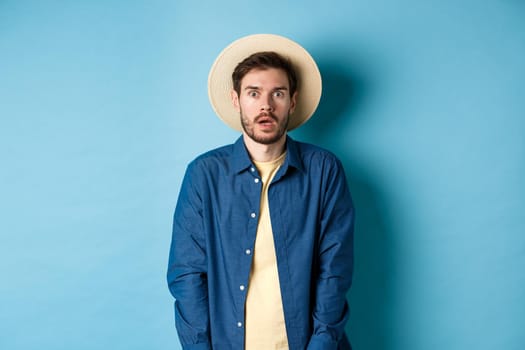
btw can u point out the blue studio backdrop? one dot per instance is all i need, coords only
(103, 104)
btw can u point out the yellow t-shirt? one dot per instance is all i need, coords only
(265, 327)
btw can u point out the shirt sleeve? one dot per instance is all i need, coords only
(187, 267)
(335, 262)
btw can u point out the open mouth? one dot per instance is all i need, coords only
(266, 120)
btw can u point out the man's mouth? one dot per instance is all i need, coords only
(266, 119)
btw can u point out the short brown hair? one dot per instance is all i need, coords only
(264, 60)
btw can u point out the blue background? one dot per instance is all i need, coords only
(103, 103)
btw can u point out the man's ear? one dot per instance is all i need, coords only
(235, 100)
(293, 102)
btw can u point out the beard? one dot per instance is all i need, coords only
(265, 138)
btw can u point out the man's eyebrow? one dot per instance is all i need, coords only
(253, 87)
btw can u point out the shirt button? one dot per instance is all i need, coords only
(241, 287)
(253, 215)
(252, 169)
(248, 252)
(239, 324)
(256, 180)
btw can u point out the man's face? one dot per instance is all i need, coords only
(264, 104)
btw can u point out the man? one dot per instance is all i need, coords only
(261, 254)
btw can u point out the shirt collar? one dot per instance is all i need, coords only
(241, 159)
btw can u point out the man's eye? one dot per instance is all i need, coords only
(278, 94)
(252, 93)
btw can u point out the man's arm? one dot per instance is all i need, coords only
(335, 258)
(187, 279)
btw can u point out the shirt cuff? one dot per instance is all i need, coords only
(320, 342)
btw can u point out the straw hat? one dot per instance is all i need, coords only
(220, 84)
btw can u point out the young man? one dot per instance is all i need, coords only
(261, 254)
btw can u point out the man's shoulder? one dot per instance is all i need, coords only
(220, 156)
(310, 153)
(216, 153)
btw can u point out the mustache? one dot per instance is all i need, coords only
(266, 115)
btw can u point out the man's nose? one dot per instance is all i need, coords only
(267, 104)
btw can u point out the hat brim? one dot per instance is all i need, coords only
(220, 84)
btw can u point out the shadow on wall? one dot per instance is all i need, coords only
(371, 295)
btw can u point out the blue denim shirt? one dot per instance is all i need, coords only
(214, 231)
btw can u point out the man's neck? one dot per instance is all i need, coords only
(264, 153)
